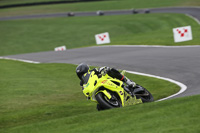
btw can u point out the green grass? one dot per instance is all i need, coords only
(35, 35)
(12, 2)
(47, 98)
(94, 6)
(32, 94)
(171, 116)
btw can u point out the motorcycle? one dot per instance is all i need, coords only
(110, 92)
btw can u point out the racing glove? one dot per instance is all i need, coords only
(104, 70)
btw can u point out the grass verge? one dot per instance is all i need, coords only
(35, 35)
(174, 116)
(94, 6)
(13, 2)
(32, 94)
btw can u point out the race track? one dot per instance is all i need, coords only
(178, 63)
(192, 11)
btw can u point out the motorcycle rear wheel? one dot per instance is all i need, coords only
(106, 103)
(144, 94)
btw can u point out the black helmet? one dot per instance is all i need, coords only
(82, 69)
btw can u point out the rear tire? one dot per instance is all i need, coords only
(143, 93)
(105, 103)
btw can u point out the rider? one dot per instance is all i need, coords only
(112, 72)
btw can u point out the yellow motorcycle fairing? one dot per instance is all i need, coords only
(92, 84)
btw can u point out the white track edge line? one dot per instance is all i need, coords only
(27, 61)
(193, 18)
(181, 85)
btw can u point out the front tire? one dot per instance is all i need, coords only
(106, 103)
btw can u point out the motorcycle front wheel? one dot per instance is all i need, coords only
(106, 103)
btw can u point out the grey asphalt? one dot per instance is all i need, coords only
(179, 63)
(193, 11)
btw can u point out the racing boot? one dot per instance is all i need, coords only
(130, 85)
(129, 82)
